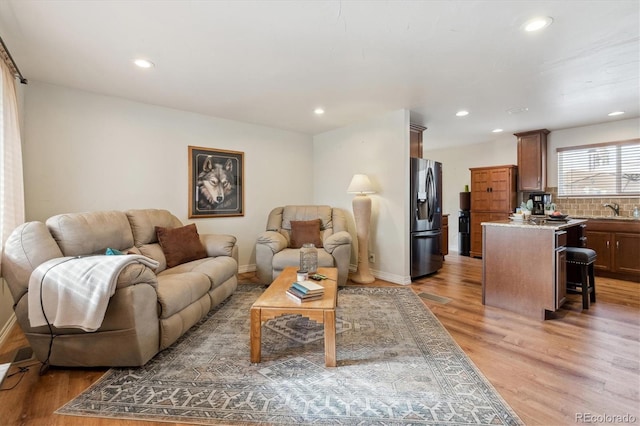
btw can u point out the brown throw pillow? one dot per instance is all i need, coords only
(180, 245)
(305, 231)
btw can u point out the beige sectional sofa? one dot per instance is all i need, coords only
(149, 310)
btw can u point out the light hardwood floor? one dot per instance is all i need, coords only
(583, 363)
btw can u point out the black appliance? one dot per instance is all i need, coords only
(540, 200)
(426, 216)
(464, 233)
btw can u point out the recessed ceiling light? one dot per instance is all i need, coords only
(537, 24)
(144, 63)
(614, 113)
(318, 111)
(497, 130)
(462, 113)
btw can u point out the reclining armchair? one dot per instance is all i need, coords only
(279, 246)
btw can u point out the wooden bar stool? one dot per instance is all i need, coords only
(584, 258)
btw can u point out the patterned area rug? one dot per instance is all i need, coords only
(397, 365)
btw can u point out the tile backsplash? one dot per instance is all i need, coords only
(592, 206)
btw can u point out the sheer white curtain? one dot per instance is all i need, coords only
(11, 179)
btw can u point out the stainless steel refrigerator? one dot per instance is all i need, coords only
(426, 216)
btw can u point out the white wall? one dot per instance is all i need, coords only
(87, 152)
(379, 148)
(456, 162)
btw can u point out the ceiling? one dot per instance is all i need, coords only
(273, 62)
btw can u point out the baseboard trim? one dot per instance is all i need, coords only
(7, 328)
(246, 268)
(392, 278)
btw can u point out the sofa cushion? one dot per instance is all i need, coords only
(177, 291)
(144, 221)
(305, 231)
(152, 251)
(218, 270)
(180, 245)
(292, 213)
(90, 233)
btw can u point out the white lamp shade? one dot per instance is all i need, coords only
(360, 184)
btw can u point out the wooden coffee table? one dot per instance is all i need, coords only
(274, 302)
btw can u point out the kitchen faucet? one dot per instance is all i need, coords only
(613, 206)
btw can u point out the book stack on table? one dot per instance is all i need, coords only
(303, 291)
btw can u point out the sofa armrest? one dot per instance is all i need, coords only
(336, 240)
(272, 239)
(218, 244)
(135, 274)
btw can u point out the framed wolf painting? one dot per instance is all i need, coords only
(216, 179)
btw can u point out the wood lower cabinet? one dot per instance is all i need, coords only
(476, 229)
(627, 253)
(617, 244)
(493, 197)
(600, 241)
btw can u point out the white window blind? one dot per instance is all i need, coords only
(607, 169)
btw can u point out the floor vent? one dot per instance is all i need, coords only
(23, 356)
(435, 298)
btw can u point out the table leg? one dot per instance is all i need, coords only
(330, 338)
(256, 335)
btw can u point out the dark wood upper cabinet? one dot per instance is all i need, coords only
(532, 160)
(415, 140)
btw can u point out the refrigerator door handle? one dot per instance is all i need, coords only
(430, 195)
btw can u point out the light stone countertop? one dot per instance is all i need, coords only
(545, 224)
(606, 217)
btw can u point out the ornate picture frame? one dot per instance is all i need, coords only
(216, 182)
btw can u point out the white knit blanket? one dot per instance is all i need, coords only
(76, 290)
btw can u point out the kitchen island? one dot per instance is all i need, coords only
(523, 264)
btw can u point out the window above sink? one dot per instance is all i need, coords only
(600, 170)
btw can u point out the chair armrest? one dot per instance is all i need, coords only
(336, 240)
(218, 244)
(274, 240)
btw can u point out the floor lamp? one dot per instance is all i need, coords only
(361, 186)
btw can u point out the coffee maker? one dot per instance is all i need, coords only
(540, 200)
